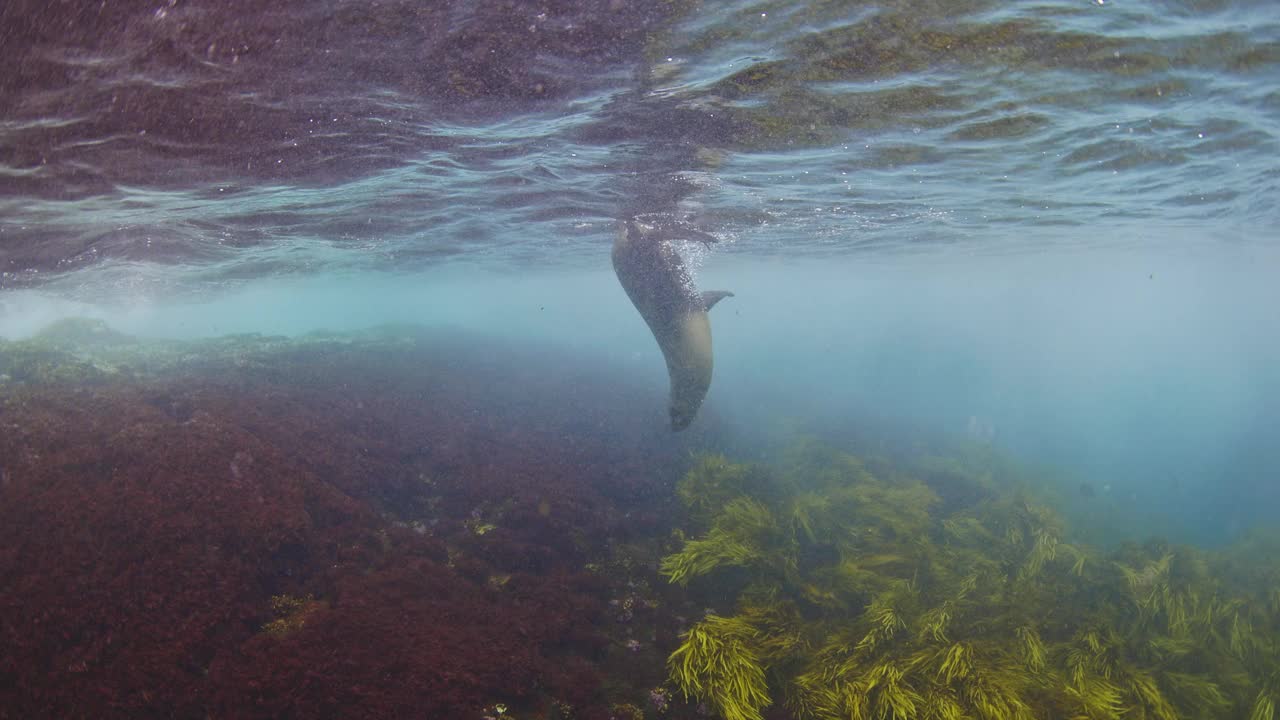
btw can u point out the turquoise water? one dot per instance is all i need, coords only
(1046, 225)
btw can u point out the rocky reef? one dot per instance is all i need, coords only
(327, 526)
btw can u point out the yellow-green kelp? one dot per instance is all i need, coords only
(858, 594)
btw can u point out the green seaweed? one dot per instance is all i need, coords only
(719, 662)
(57, 354)
(861, 594)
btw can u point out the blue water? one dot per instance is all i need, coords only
(1046, 225)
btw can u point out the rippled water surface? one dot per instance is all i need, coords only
(215, 141)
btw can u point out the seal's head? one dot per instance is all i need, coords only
(681, 416)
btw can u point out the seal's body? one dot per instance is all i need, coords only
(660, 286)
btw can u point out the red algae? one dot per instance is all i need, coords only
(407, 640)
(441, 532)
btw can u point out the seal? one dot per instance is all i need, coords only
(656, 279)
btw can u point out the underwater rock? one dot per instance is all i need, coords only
(148, 519)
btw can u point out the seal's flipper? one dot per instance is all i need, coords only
(711, 297)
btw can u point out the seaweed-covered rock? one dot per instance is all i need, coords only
(859, 595)
(152, 519)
